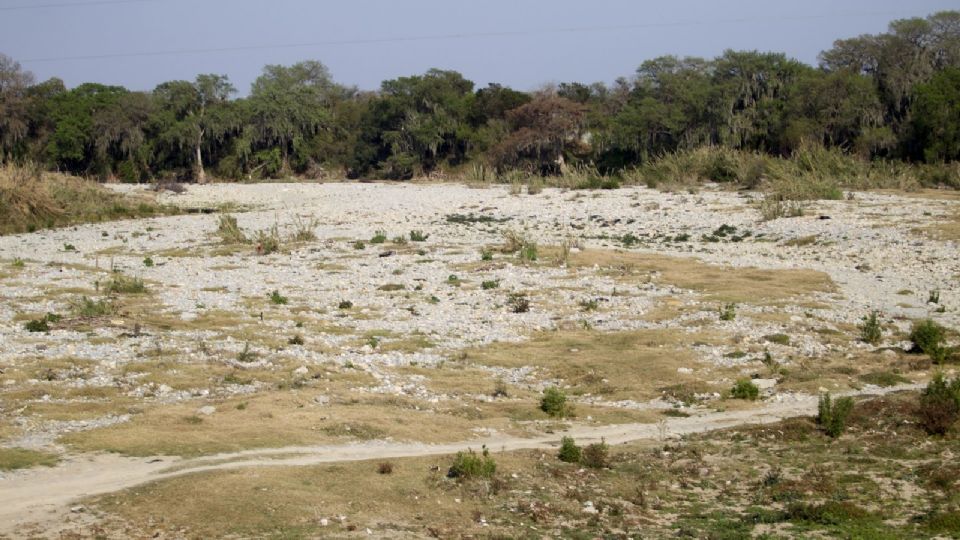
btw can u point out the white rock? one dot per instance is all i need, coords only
(302, 370)
(207, 410)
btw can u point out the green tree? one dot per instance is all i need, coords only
(195, 116)
(289, 104)
(72, 144)
(121, 132)
(936, 117)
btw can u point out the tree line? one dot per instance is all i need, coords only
(894, 95)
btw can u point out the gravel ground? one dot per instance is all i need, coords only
(866, 244)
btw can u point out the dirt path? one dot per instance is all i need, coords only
(44, 495)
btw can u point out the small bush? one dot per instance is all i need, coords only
(491, 284)
(296, 340)
(779, 339)
(596, 455)
(500, 388)
(870, 330)
(486, 255)
(385, 468)
(268, 241)
(358, 245)
(121, 284)
(18, 263)
(148, 262)
(303, 231)
(229, 231)
(832, 415)
(569, 451)
(86, 308)
(468, 465)
(933, 297)
(246, 355)
(278, 299)
(589, 305)
(379, 237)
(518, 303)
(529, 252)
(37, 325)
(554, 403)
(727, 312)
(345, 304)
(418, 236)
(928, 337)
(745, 389)
(939, 406)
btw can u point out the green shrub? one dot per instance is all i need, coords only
(529, 252)
(418, 236)
(345, 304)
(569, 451)
(148, 262)
(468, 465)
(37, 325)
(727, 312)
(486, 255)
(554, 403)
(832, 415)
(86, 308)
(490, 284)
(121, 284)
(296, 340)
(596, 455)
(928, 337)
(871, 331)
(358, 245)
(277, 299)
(940, 405)
(379, 237)
(745, 389)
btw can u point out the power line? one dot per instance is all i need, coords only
(440, 37)
(73, 4)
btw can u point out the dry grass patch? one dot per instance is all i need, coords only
(21, 458)
(947, 229)
(718, 283)
(289, 502)
(33, 200)
(624, 365)
(270, 420)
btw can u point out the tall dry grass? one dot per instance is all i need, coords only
(31, 199)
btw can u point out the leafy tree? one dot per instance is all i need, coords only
(121, 131)
(936, 117)
(422, 121)
(289, 104)
(72, 144)
(196, 115)
(14, 120)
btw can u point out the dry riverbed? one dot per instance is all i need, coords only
(438, 314)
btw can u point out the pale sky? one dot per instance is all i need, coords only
(520, 43)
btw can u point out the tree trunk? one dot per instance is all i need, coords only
(201, 175)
